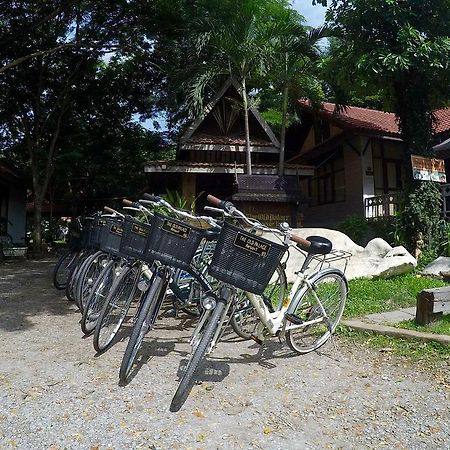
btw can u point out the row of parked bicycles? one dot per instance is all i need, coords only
(224, 269)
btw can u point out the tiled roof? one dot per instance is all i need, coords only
(210, 139)
(371, 120)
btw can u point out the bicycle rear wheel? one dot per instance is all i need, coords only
(244, 318)
(322, 304)
(115, 308)
(62, 269)
(144, 322)
(198, 354)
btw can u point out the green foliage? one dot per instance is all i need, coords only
(386, 228)
(374, 296)
(439, 327)
(355, 227)
(401, 48)
(421, 217)
(175, 199)
(417, 350)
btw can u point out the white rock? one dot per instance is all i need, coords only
(377, 259)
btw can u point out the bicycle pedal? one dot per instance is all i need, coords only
(256, 339)
(293, 319)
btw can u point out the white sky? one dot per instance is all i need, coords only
(314, 15)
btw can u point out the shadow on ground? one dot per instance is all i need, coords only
(23, 295)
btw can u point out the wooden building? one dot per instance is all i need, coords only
(211, 158)
(359, 160)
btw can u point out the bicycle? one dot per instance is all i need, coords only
(173, 244)
(306, 318)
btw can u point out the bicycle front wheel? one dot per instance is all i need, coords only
(204, 341)
(145, 319)
(63, 268)
(97, 298)
(317, 311)
(115, 308)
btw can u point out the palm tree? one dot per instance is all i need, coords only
(237, 46)
(294, 67)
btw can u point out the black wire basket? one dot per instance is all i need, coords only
(245, 260)
(111, 236)
(95, 232)
(134, 239)
(173, 242)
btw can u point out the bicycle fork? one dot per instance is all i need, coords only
(209, 303)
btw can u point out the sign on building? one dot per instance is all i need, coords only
(428, 169)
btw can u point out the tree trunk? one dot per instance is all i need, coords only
(37, 229)
(247, 130)
(283, 131)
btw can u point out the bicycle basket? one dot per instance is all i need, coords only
(134, 239)
(245, 260)
(111, 236)
(173, 242)
(95, 231)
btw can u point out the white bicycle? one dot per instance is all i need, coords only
(306, 317)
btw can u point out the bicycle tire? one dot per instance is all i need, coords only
(62, 269)
(97, 298)
(88, 276)
(244, 318)
(119, 298)
(73, 276)
(331, 286)
(149, 310)
(188, 378)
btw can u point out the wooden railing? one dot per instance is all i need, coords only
(381, 206)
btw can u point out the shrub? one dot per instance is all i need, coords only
(355, 227)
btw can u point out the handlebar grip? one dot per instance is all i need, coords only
(127, 202)
(222, 204)
(109, 210)
(214, 200)
(301, 242)
(151, 197)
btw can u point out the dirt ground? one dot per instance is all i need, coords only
(56, 393)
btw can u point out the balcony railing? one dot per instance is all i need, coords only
(381, 206)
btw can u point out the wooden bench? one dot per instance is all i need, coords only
(431, 304)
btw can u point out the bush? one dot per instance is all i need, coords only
(355, 227)
(421, 217)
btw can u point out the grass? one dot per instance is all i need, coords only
(380, 295)
(416, 350)
(438, 327)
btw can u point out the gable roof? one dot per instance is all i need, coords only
(370, 121)
(190, 135)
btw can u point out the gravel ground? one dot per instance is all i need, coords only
(56, 393)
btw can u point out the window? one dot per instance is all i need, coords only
(387, 171)
(328, 184)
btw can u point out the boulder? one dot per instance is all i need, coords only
(377, 259)
(438, 267)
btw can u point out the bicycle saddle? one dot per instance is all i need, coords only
(319, 245)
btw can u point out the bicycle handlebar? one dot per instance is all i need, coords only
(160, 201)
(109, 210)
(229, 208)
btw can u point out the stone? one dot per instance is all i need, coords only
(377, 259)
(438, 267)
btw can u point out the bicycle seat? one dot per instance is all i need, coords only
(319, 245)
